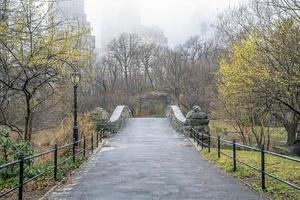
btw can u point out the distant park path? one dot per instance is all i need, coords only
(148, 159)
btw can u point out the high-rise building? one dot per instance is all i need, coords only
(151, 34)
(4, 4)
(118, 17)
(124, 17)
(73, 12)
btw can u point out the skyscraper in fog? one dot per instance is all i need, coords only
(4, 5)
(124, 17)
(70, 9)
(73, 12)
(118, 17)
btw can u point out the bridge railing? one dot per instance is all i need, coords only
(76, 148)
(119, 116)
(199, 138)
(175, 113)
(177, 118)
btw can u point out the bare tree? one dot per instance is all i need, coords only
(34, 53)
(148, 60)
(124, 51)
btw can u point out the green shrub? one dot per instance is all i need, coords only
(11, 150)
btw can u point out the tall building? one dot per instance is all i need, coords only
(124, 17)
(73, 12)
(4, 4)
(118, 17)
(151, 34)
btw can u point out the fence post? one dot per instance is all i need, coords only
(219, 147)
(101, 136)
(263, 176)
(92, 141)
(55, 161)
(84, 144)
(197, 134)
(234, 155)
(194, 135)
(21, 177)
(97, 135)
(202, 141)
(74, 150)
(209, 143)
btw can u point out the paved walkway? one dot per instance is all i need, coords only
(149, 160)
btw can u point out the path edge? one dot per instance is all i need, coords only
(260, 193)
(48, 193)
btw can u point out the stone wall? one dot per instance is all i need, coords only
(119, 117)
(177, 119)
(195, 119)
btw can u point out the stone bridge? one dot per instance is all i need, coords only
(149, 159)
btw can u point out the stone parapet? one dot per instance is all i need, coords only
(195, 119)
(119, 116)
(177, 119)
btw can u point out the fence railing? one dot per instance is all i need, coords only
(205, 141)
(76, 150)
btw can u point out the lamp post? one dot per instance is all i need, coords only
(75, 78)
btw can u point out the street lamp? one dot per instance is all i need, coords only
(75, 78)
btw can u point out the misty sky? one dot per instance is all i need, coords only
(179, 19)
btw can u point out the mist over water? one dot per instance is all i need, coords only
(179, 19)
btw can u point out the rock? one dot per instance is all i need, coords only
(100, 118)
(189, 114)
(198, 120)
(199, 115)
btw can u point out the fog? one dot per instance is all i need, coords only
(179, 19)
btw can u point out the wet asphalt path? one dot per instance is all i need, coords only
(148, 159)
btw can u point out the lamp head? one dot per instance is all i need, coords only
(76, 77)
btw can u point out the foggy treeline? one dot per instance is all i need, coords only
(248, 72)
(130, 68)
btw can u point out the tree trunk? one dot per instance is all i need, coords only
(177, 94)
(28, 120)
(126, 77)
(30, 126)
(291, 129)
(290, 123)
(149, 76)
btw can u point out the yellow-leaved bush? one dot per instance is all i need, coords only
(240, 73)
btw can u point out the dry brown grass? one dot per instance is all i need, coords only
(62, 134)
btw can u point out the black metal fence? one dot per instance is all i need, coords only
(205, 140)
(77, 149)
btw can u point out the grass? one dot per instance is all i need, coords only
(61, 134)
(43, 141)
(284, 169)
(37, 188)
(34, 169)
(224, 128)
